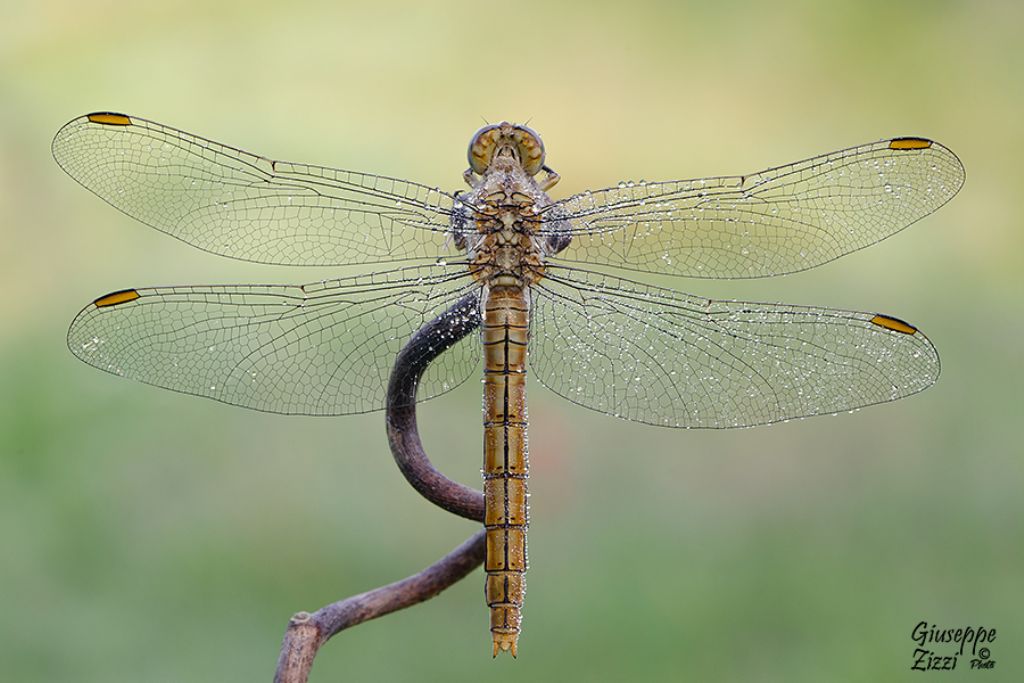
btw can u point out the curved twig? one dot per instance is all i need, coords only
(307, 632)
(433, 339)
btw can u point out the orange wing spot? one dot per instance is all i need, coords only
(110, 119)
(894, 324)
(909, 143)
(115, 298)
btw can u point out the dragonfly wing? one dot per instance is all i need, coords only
(665, 358)
(320, 349)
(776, 221)
(236, 204)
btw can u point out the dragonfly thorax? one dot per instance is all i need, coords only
(504, 249)
(504, 245)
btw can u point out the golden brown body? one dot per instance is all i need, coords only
(507, 255)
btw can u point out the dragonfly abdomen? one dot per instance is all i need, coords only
(505, 333)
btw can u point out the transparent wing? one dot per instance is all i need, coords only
(233, 203)
(780, 220)
(319, 349)
(660, 357)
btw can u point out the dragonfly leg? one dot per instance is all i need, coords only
(550, 180)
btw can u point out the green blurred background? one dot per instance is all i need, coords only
(150, 536)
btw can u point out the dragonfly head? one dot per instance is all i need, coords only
(506, 140)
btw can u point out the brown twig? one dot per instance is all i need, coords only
(433, 339)
(307, 632)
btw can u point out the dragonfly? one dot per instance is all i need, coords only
(553, 283)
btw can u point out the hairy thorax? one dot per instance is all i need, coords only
(502, 236)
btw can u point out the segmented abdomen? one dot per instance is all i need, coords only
(505, 334)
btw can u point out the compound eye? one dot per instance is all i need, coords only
(531, 149)
(482, 146)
